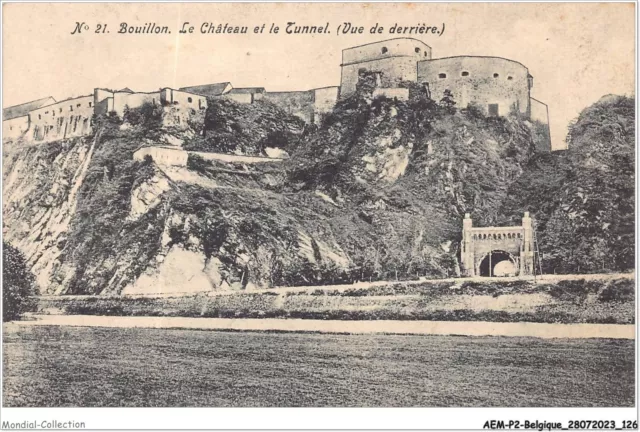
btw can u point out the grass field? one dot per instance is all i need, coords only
(64, 366)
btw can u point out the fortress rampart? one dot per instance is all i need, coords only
(67, 119)
(395, 58)
(308, 105)
(15, 127)
(497, 86)
(175, 156)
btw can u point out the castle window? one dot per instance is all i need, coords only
(465, 73)
(70, 107)
(384, 50)
(89, 104)
(46, 112)
(39, 117)
(442, 75)
(189, 100)
(495, 75)
(78, 105)
(417, 50)
(509, 78)
(60, 109)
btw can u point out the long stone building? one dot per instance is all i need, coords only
(497, 86)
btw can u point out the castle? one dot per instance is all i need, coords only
(497, 86)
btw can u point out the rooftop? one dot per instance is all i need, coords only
(23, 109)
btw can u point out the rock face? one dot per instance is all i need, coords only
(92, 220)
(41, 185)
(148, 194)
(377, 192)
(179, 271)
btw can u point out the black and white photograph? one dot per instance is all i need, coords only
(319, 205)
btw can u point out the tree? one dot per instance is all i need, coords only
(18, 283)
(447, 102)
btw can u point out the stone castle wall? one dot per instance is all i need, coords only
(400, 47)
(133, 100)
(481, 81)
(16, 127)
(298, 103)
(242, 98)
(539, 111)
(496, 85)
(169, 96)
(309, 105)
(175, 156)
(396, 59)
(67, 119)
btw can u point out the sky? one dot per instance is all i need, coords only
(576, 52)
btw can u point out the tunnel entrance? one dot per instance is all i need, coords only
(498, 263)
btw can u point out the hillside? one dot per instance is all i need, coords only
(583, 198)
(377, 191)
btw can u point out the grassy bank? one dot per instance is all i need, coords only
(567, 301)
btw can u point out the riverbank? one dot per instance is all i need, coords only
(603, 300)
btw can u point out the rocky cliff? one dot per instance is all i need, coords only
(377, 191)
(584, 197)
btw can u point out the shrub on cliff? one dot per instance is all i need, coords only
(231, 127)
(17, 285)
(148, 115)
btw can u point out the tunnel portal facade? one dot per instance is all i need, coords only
(509, 250)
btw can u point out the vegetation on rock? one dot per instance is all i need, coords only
(230, 127)
(583, 198)
(18, 283)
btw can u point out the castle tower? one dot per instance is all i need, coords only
(495, 85)
(396, 59)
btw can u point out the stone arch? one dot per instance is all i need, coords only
(486, 267)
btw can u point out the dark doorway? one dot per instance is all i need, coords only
(489, 262)
(493, 110)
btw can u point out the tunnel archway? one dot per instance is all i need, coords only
(505, 263)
